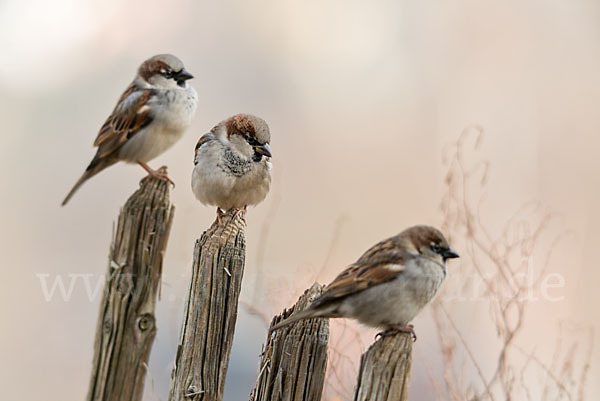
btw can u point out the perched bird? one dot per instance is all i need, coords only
(150, 116)
(389, 284)
(232, 163)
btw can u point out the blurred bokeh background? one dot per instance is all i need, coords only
(362, 97)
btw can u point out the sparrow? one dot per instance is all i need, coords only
(388, 285)
(150, 116)
(232, 164)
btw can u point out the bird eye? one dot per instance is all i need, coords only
(167, 73)
(252, 141)
(436, 247)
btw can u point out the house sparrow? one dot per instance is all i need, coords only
(150, 116)
(389, 284)
(233, 163)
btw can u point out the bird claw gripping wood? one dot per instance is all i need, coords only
(410, 329)
(161, 173)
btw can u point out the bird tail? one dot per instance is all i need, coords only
(96, 166)
(305, 314)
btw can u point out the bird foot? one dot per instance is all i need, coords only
(220, 214)
(156, 174)
(409, 328)
(163, 177)
(241, 210)
(233, 212)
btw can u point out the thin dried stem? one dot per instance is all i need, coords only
(502, 263)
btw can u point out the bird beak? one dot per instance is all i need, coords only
(450, 254)
(264, 150)
(183, 75)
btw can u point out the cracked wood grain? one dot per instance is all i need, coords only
(294, 360)
(211, 312)
(384, 372)
(126, 324)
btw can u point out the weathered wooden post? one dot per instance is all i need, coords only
(126, 323)
(211, 312)
(294, 359)
(384, 372)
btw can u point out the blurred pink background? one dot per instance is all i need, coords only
(362, 99)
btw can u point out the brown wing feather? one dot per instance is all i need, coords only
(384, 263)
(126, 120)
(128, 117)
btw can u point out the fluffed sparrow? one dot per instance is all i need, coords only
(232, 163)
(389, 284)
(150, 116)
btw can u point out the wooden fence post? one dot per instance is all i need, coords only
(126, 323)
(384, 372)
(211, 312)
(294, 360)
